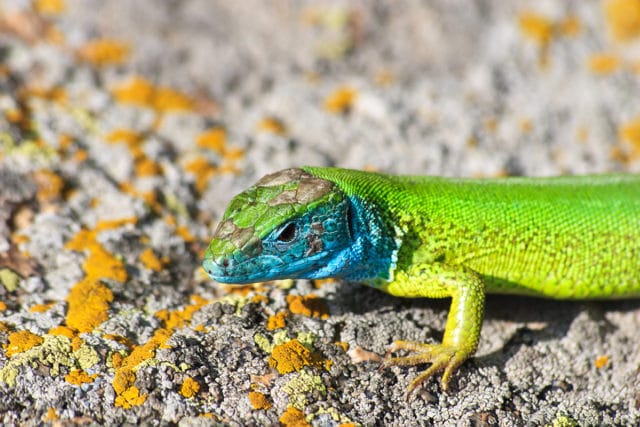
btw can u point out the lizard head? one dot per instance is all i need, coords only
(288, 225)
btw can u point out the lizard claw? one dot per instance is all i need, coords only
(442, 358)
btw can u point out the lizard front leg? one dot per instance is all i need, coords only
(462, 331)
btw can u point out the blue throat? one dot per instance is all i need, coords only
(371, 254)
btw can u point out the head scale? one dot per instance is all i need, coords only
(285, 226)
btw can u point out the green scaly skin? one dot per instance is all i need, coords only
(562, 238)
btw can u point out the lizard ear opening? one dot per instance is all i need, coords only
(350, 221)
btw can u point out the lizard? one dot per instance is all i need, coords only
(566, 237)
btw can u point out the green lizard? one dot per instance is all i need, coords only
(562, 237)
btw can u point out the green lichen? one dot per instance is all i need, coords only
(9, 279)
(54, 352)
(263, 343)
(302, 384)
(563, 421)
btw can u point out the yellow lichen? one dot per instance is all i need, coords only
(623, 18)
(79, 377)
(189, 388)
(22, 341)
(309, 305)
(293, 417)
(104, 52)
(259, 400)
(292, 356)
(603, 63)
(3, 306)
(341, 100)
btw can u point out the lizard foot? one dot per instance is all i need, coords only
(442, 358)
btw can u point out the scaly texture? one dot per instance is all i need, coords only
(563, 237)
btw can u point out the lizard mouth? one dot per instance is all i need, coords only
(230, 271)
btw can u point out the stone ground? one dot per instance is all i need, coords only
(125, 128)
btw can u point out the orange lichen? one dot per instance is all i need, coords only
(343, 345)
(570, 26)
(126, 136)
(630, 133)
(202, 170)
(49, 7)
(292, 356)
(144, 166)
(293, 417)
(79, 377)
(76, 343)
(50, 185)
(341, 100)
(63, 331)
(601, 362)
(168, 99)
(525, 125)
(41, 308)
(309, 305)
(277, 321)
(50, 416)
(55, 94)
(536, 27)
(104, 52)
(623, 18)
(189, 388)
(259, 298)
(3, 306)
(22, 341)
(150, 260)
(272, 125)
(259, 400)
(128, 395)
(139, 91)
(212, 139)
(180, 318)
(88, 305)
(116, 360)
(184, 233)
(603, 63)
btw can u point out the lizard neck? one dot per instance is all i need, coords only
(371, 256)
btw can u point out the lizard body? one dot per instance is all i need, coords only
(560, 237)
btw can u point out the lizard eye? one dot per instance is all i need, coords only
(287, 233)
